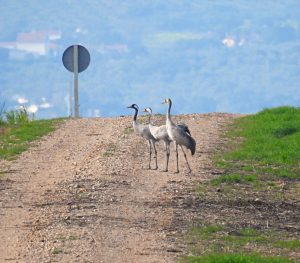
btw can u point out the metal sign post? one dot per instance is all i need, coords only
(76, 59)
(76, 106)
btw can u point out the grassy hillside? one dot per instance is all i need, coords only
(251, 210)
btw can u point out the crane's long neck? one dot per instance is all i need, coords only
(168, 120)
(169, 111)
(135, 114)
(150, 115)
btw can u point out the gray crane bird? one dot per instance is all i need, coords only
(160, 134)
(180, 135)
(144, 131)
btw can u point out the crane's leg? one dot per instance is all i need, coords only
(155, 155)
(167, 146)
(189, 168)
(176, 149)
(150, 153)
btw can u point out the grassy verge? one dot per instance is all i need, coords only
(235, 258)
(267, 144)
(218, 239)
(15, 140)
(263, 155)
(252, 208)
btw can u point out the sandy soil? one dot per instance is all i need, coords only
(83, 194)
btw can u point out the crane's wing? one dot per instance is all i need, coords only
(143, 130)
(159, 132)
(182, 137)
(185, 128)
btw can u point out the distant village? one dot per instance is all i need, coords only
(47, 43)
(32, 45)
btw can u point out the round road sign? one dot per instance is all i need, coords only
(83, 58)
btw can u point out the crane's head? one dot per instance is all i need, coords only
(149, 110)
(133, 106)
(167, 101)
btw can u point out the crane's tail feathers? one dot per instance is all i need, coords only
(192, 145)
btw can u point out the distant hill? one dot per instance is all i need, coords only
(234, 56)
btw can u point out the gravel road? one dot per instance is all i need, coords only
(83, 194)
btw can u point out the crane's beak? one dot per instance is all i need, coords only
(129, 107)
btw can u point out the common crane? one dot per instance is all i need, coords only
(160, 134)
(180, 136)
(144, 131)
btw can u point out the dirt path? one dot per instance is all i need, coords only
(82, 194)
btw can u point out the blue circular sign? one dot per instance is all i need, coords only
(83, 58)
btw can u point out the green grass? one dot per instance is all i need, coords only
(63, 238)
(228, 178)
(57, 251)
(290, 244)
(128, 130)
(223, 238)
(110, 150)
(260, 163)
(226, 238)
(234, 258)
(248, 168)
(205, 232)
(17, 117)
(17, 139)
(223, 246)
(241, 239)
(234, 179)
(269, 140)
(2, 174)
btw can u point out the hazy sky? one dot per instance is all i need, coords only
(230, 56)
